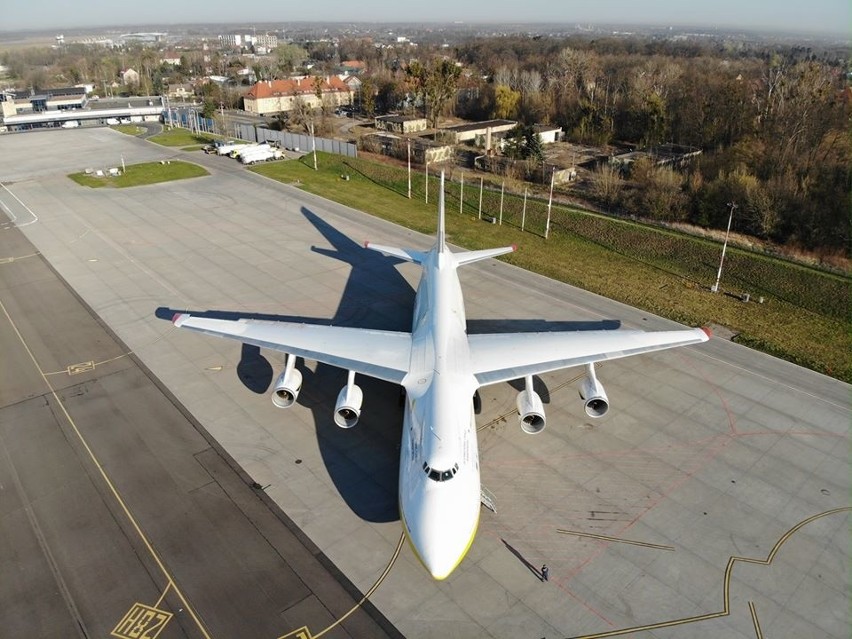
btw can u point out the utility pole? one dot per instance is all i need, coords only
(313, 144)
(715, 287)
(409, 168)
(480, 198)
(502, 191)
(461, 194)
(550, 203)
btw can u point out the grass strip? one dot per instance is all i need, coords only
(141, 174)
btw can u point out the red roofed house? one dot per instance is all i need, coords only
(274, 96)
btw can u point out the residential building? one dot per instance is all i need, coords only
(275, 96)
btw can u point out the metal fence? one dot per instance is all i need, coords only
(189, 118)
(298, 141)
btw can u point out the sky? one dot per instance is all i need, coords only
(823, 16)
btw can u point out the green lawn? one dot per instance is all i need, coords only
(139, 174)
(804, 317)
(183, 137)
(128, 129)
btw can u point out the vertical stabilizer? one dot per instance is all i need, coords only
(441, 229)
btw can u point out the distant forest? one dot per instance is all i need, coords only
(773, 121)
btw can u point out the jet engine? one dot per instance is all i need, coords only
(288, 385)
(593, 394)
(347, 411)
(530, 409)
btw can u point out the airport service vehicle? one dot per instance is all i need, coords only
(70, 124)
(263, 154)
(214, 146)
(227, 149)
(440, 367)
(248, 148)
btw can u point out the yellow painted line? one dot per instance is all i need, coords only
(142, 622)
(619, 540)
(163, 594)
(367, 595)
(9, 260)
(82, 367)
(757, 631)
(726, 586)
(85, 367)
(106, 478)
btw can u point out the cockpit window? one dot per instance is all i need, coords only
(440, 475)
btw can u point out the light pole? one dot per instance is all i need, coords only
(409, 168)
(715, 287)
(427, 181)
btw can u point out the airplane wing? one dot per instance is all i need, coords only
(381, 354)
(500, 357)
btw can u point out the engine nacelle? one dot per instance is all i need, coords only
(593, 394)
(286, 389)
(531, 412)
(347, 410)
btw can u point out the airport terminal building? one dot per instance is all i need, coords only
(70, 107)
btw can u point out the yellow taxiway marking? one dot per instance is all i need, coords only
(85, 367)
(304, 633)
(757, 631)
(112, 489)
(9, 260)
(615, 539)
(82, 367)
(726, 586)
(142, 622)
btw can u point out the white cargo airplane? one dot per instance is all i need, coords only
(440, 367)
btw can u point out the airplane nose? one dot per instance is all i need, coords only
(440, 564)
(442, 541)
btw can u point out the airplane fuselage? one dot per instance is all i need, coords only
(440, 368)
(439, 488)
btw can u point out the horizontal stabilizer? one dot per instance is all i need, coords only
(408, 255)
(468, 257)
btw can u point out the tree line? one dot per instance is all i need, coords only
(772, 120)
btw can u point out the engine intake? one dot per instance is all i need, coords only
(287, 386)
(530, 409)
(347, 410)
(593, 394)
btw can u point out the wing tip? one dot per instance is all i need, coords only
(366, 243)
(514, 247)
(707, 331)
(179, 318)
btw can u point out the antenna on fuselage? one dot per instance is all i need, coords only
(441, 227)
